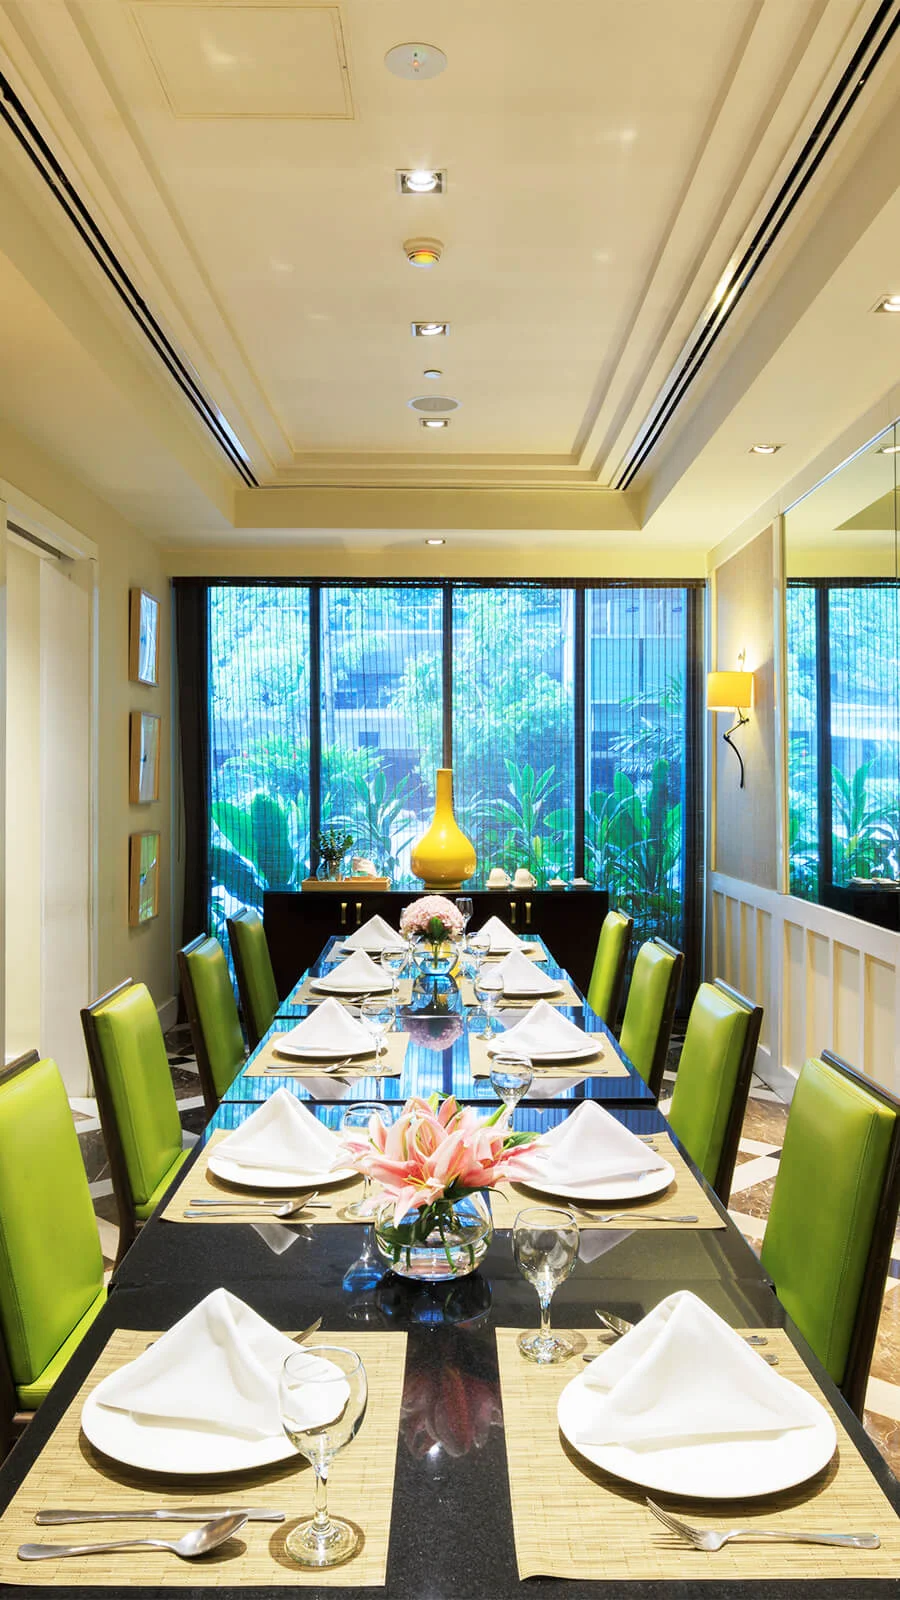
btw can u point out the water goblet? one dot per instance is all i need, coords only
(545, 1248)
(356, 1118)
(488, 989)
(464, 907)
(479, 948)
(511, 1078)
(377, 1015)
(394, 963)
(322, 1393)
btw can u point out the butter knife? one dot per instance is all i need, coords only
(56, 1518)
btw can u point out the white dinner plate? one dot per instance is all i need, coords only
(714, 1469)
(607, 1189)
(530, 994)
(558, 1056)
(296, 1052)
(332, 986)
(271, 1178)
(535, 952)
(161, 1447)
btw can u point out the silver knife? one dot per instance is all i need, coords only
(55, 1518)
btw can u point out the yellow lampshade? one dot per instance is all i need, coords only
(729, 691)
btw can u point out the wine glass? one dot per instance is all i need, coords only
(357, 1117)
(479, 948)
(545, 1247)
(511, 1078)
(464, 907)
(377, 1014)
(322, 1392)
(394, 962)
(488, 989)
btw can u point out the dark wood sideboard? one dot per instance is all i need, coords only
(297, 925)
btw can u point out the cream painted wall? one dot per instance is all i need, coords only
(124, 559)
(745, 831)
(23, 812)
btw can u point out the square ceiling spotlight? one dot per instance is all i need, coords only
(888, 302)
(429, 330)
(421, 180)
(434, 422)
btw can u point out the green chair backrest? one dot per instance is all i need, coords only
(142, 1100)
(256, 980)
(213, 1015)
(51, 1266)
(713, 1080)
(605, 988)
(839, 1146)
(650, 1009)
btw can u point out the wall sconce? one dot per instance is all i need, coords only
(731, 691)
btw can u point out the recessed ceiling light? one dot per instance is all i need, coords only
(435, 541)
(764, 449)
(430, 330)
(888, 450)
(423, 252)
(421, 180)
(432, 372)
(888, 302)
(434, 422)
(415, 61)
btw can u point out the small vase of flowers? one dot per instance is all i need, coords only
(434, 924)
(434, 1164)
(333, 844)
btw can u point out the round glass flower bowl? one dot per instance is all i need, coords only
(444, 1240)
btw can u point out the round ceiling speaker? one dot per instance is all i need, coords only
(415, 61)
(430, 403)
(423, 252)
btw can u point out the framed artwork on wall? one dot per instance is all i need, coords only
(144, 735)
(143, 878)
(143, 637)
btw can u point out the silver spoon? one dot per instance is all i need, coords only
(287, 1208)
(198, 1542)
(322, 1068)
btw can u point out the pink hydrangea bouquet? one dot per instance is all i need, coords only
(435, 918)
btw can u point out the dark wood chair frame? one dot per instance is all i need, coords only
(204, 1067)
(128, 1222)
(250, 1032)
(728, 1154)
(868, 1311)
(615, 998)
(657, 1066)
(12, 1420)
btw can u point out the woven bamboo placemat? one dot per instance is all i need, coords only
(306, 995)
(572, 1520)
(684, 1197)
(607, 1063)
(267, 1063)
(70, 1472)
(201, 1184)
(565, 996)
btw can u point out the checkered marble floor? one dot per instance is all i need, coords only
(757, 1164)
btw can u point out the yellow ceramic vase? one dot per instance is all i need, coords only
(443, 856)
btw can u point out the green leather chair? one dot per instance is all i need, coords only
(650, 1009)
(834, 1209)
(213, 1016)
(253, 968)
(135, 1100)
(713, 1082)
(604, 995)
(51, 1265)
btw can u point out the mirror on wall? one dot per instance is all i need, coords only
(843, 686)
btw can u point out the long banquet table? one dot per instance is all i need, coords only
(451, 1527)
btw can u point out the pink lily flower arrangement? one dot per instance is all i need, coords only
(436, 1152)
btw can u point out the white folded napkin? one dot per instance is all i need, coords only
(357, 975)
(330, 1027)
(216, 1369)
(683, 1377)
(501, 937)
(282, 1135)
(519, 975)
(590, 1147)
(545, 1031)
(375, 936)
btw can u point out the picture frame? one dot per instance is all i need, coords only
(143, 743)
(143, 878)
(143, 637)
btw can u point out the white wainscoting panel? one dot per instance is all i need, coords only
(826, 981)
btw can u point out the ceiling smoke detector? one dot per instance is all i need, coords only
(415, 61)
(423, 252)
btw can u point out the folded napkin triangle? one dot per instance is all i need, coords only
(284, 1136)
(543, 1030)
(682, 1377)
(216, 1369)
(588, 1148)
(330, 1027)
(357, 975)
(375, 935)
(518, 976)
(501, 937)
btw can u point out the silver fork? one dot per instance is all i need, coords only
(709, 1539)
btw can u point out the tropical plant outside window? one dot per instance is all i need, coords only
(564, 709)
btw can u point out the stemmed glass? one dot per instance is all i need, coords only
(377, 1014)
(356, 1117)
(478, 949)
(464, 907)
(511, 1078)
(322, 1393)
(394, 962)
(488, 989)
(545, 1247)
